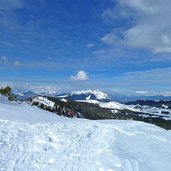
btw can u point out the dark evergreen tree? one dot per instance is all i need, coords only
(6, 91)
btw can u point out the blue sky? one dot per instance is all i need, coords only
(122, 46)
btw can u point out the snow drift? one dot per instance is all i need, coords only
(35, 140)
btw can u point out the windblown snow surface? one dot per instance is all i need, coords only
(35, 140)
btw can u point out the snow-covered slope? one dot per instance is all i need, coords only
(44, 101)
(111, 105)
(55, 143)
(24, 112)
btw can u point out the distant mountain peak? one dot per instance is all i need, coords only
(99, 95)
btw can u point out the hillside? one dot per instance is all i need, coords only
(50, 142)
(94, 104)
(93, 109)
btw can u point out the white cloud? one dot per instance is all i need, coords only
(150, 27)
(42, 88)
(159, 75)
(90, 45)
(148, 82)
(110, 38)
(119, 56)
(81, 75)
(32, 86)
(155, 79)
(141, 92)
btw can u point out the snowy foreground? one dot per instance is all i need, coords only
(36, 140)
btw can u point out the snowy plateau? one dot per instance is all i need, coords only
(32, 139)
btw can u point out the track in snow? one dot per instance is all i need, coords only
(77, 146)
(56, 147)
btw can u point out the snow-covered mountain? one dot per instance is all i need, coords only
(94, 109)
(112, 109)
(99, 95)
(35, 140)
(85, 95)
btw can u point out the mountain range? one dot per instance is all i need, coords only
(95, 95)
(95, 104)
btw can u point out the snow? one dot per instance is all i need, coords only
(43, 141)
(115, 106)
(89, 101)
(62, 96)
(24, 112)
(99, 94)
(63, 100)
(44, 101)
(114, 111)
(111, 105)
(88, 98)
(164, 106)
(157, 112)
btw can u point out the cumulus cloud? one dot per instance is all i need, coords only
(81, 75)
(150, 26)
